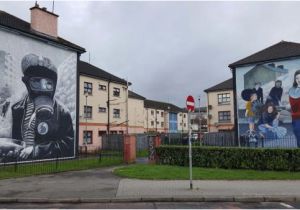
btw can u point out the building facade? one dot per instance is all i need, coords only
(161, 117)
(103, 105)
(136, 113)
(220, 107)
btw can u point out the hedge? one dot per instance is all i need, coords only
(231, 157)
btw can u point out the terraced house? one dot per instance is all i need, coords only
(103, 104)
(220, 107)
(161, 117)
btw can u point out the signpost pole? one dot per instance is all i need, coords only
(190, 105)
(190, 152)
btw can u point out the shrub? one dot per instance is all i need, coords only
(231, 157)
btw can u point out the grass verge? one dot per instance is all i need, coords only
(142, 153)
(166, 172)
(21, 170)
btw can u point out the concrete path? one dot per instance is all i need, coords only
(144, 188)
(96, 183)
(100, 185)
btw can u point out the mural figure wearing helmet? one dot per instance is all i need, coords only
(41, 122)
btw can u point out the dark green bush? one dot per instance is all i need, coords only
(231, 157)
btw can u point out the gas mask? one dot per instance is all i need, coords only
(41, 91)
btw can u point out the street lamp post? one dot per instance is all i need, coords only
(199, 119)
(169, 108)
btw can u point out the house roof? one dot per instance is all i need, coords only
(14, 23)
(162, 106)
(280, 50)
(226, 85)
(90, 70)
(134, 95)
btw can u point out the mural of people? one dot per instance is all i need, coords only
(250, 97)
(268, 123)
(40, 122)
(275, 94)
(294, 99)
(259, 92)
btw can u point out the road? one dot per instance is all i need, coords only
(156, 205)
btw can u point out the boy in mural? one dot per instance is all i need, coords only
(294, 98)
(275, 94)
(250, 97)
(259, 92)
(42, 124)
(268, 124)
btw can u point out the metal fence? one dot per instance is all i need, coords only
(110, 153)
(227, 139)
(221, 139)
(113, 142)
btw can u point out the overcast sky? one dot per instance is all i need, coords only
(169, 50)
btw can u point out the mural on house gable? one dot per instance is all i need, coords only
(37, 100)
(268, 103)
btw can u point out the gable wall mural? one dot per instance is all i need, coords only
(268, 103)
(37, 100)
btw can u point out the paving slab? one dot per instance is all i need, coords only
(226, 189)
(96, 183)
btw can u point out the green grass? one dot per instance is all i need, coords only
(21, 170)
(166, 172)
(142, 153)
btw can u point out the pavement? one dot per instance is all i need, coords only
(101, 186)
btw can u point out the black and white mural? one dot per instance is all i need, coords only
(37, 100)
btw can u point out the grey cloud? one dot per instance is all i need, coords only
(169, 50)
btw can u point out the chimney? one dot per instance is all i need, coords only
(43, 21)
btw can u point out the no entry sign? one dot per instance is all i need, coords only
(190, 103)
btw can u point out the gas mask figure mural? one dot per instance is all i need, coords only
(41, 127)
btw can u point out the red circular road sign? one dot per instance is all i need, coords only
(190, 103)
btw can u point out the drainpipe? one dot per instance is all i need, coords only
(108, 107)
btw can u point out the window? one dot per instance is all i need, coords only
(161, 114)
(162, 124)
(224, 116)
(152, 112)
(88, 137)
(121, 132)
(116, 92)
(183, 115)
(102, 109)
(88, 111)
(184, 125)
(102, 87)
(224, 98)
(101, 133)
(116, 113)
(152, 123)
(88, 88)
(114, 132)
(157, 112)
